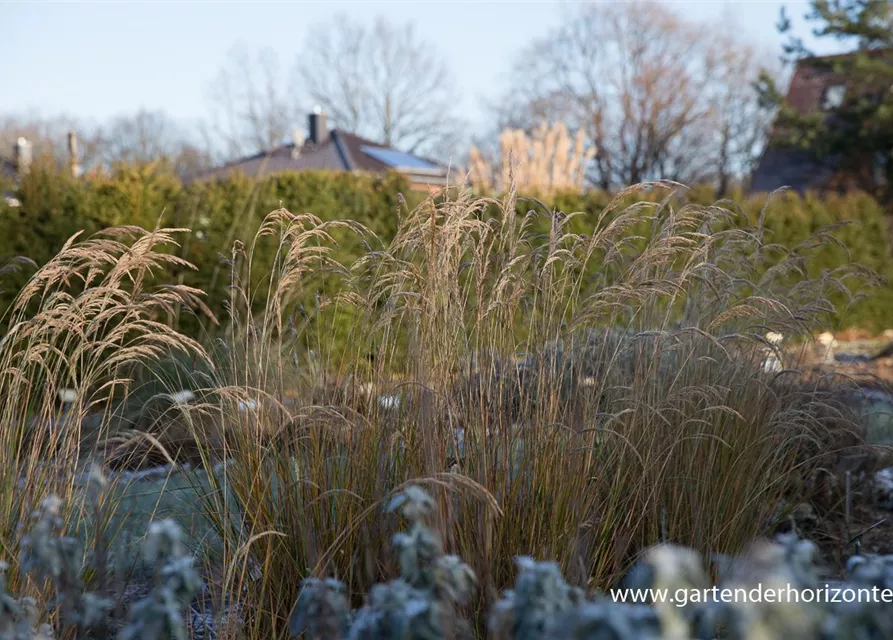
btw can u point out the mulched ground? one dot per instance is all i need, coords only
(830, 529)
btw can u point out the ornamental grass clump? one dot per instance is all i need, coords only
(577, 390)
(80, 330)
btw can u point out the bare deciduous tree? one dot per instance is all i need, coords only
(252, 108)
(381, 82)
(192, 160)
(153, 136)
(141, 137)
(49, 137)
(642, 84)
(738, 122)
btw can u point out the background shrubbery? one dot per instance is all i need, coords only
(54, 207)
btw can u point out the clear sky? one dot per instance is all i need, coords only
(94, 60)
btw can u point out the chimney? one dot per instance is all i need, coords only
(319, 130)
(298, 138)
(22, 156)
(73, 153)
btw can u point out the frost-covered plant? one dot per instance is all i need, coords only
(670, 567)
(398, 610)
(786, 564)
(322, 610)
(423, 563)
(531, 610)
(420, 605)
(608, 620)
(17, 616)
(161, 614)
(864, 620)
(423, 603)
(48, 555)
(542, 606)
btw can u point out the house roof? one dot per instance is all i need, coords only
(799, 169)
(795, 168)
(341, 151)
(814, 75)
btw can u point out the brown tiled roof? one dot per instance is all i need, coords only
(812, 76)
(807, 86)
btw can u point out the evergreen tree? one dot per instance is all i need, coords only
(857, 132)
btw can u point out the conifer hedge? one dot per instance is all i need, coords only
(55, 206)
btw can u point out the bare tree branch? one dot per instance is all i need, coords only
(252, 109)
(142, 137)
(650, 90)
(382, 83)
(49, 137)
(739, 124)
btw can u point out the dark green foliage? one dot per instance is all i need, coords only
(54, 207)
(219, 214)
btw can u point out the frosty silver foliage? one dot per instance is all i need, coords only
(420, 605)
(855, 621)
(424, 603)
(48, 555)
(533, 608)
(161, 614)
(17, 616)
(322, 609)
(542, 606)
(607, 620)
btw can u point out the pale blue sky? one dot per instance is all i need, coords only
(98, 59)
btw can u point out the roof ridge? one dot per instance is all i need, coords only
(362, 140)
(343, 151)
(254, 156)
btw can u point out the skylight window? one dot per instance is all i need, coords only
(833, 98)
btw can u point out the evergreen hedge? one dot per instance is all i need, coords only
(54, 206)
